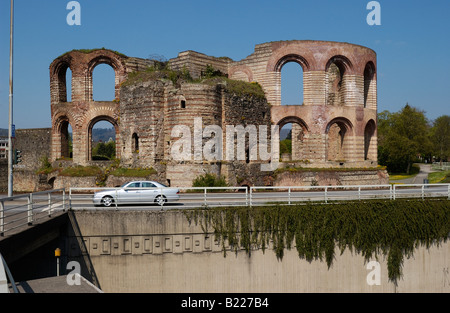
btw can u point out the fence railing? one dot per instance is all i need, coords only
(18, 211)
(444, 166)
(187, 197)
(5, 276)
(26, 209)
(193, 197)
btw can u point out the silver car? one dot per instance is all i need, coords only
(137, 192)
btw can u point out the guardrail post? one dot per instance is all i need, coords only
(205, 198)
(289, 195)
(326, 196)
(116, 200)
(49, 204)
(423, 191)
(30, 209)
(251, 196)
(448, 193)
(393, 192)
(246, 196)
(64, 200)
(70, 198)
(390, 192)
(2, 222)
(359, 193)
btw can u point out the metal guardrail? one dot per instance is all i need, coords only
(292, 194)
(191, 197)
(5, 276)
(444, 166)
(194, 197)
(26, 209)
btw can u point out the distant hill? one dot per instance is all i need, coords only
(103, 134)
(98, 134)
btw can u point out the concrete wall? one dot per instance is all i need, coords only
(149, 251)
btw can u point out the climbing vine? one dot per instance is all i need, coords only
(392, 229)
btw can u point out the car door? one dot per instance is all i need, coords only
(148, 192)
(130, 195)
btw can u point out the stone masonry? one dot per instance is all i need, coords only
(335, 126)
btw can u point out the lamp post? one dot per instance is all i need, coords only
(10, 131)
(57, 255)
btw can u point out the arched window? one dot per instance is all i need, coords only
(339, 140)
(103, 83)
(293, 132)
(68, 85)
(369, 85)
(135, 143)
(292, 84)
(102, 135)
(62, 82)
(369, 145)
(335, 80)
(66, 134)
(182, 102)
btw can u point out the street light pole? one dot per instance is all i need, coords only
(10, 134)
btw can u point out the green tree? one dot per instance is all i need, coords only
(440, 137)
(403, 136)
(104, 151)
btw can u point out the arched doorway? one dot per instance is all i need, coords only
(293, 136)
(102, 139)
(339, 140)
(369, 144)
(63, 148)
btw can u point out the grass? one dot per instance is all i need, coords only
(439, 177)
(398, 176)
(133, 172)
(81, 171)
(92, 50)
(163, 71)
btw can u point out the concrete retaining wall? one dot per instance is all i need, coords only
(152, 251)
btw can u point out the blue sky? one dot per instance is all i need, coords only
(412, 42)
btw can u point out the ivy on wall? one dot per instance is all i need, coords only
(387, 228)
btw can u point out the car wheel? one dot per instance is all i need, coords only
(160, 200)
(107, 201)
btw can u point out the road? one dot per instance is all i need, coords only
(192, 200)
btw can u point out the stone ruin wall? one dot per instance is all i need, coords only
(335, 126)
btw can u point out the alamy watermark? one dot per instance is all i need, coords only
(74, 16)
(74, 276)
(212, 148)
(374, 16)
(374, 276)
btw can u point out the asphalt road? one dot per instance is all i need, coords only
(191, 200)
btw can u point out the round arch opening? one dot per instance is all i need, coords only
(102, 139)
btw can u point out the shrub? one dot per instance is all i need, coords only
(209, 180)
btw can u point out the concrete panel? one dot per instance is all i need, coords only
(181, 258)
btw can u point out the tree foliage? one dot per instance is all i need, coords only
(403, 136)
(104, 151)
(440, 137)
